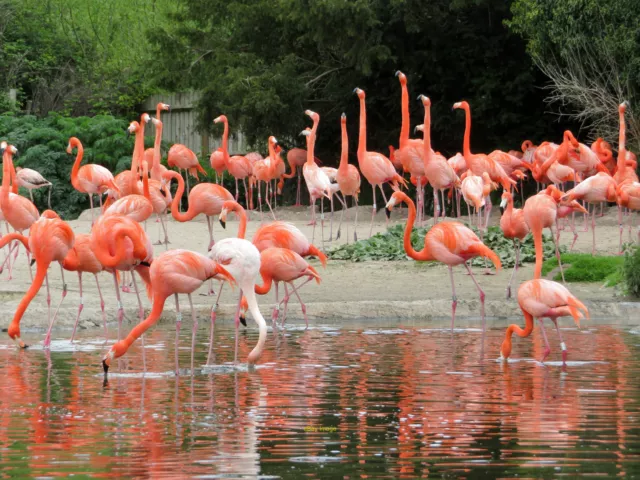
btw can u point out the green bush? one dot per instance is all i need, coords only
(42, 144)
(631, 270)
(584, 267)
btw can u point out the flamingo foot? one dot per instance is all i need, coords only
(211, 244)
(545, 354)
(488, 272)
(564, 357)
(47, 341)
(313, 222)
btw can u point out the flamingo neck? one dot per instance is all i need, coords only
(344, 154)
(256, 353)
(404, 129)
(137, 331)
(145, 181)
(76, 165)
(225, 141)
(466, 148)
(175, 204)
(424, 254)
(522, 333)
(266, 283)
(7, 163)
(362, 134)
(156, 148)
(38, 280)
(427, 135)
(242, 228)
(622, 145)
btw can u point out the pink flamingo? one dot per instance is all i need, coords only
(447, 242)
(238, 166)
(543, 298)
(348, 177)
(183, 158)
(375, 167)
(514, 227)
(31, 180)
(264, 171)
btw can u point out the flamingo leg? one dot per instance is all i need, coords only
(547, 349)
(298, 194)
(515, 267)
(331, 219)
(141, 316)
(373, 214)
(210, 227)
(287, 296)
(194, 329)
(285, 300)
(46, 281)
(266, 197)
(104, 316)
(454, 298)
(563, 345)
(49, 196)
(312, 206)
(120, 313)
(557, 252)
(91, 207)
(487, 210)
(444, 205)
(214, 312)
(246, 193)
(355, 224)
(237, 191)
(302, 305)
(322, 221)
(436, 206)
(343, 201)
(481, 296)
(458, 201)
(186, 175)
(276, 308)
(47, 339)
(387, 212)
(80, 307)
(593, 230)
(178, 323)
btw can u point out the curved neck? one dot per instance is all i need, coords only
(513, 328)
(158, 111)
(404, 130)
(225, 141)
(466, 148)
(76, 164)
(427, 135)
(256, 353)
(38, 280)
(344, 154)
(138, 330)
(266, 283)
(175, 204)
(242, 228)
(111, 261)
(362, 134)
(423, 254)
(509, 209)
(622, 145)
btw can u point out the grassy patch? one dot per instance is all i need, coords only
(389, 246)
(583, 267)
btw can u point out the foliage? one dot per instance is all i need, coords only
(76, 56)
(631, 270)
(584, 267)
(389, 246)
(591, 52)
(42, 144)
(263, 62)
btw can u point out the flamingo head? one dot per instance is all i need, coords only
(426, 101)
(526, 145)
(343, 119)
(221, 118)
(623, 107)
(3, 146)
(313, 115)
(568, 137)
(133, 128)
(419, 128)
(116, 351)
(463, 104)
(50, 214)
(402, 77)
(273, 141)
(228, 206)
(506, 197)
(395, 199)
(164, 106)
(306, 132)
(156, 122)
(145, 118)
(359, 92)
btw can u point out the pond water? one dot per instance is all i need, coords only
(333, 401)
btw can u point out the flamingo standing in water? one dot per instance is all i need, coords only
(540, 298)
(238, 166)
(91, 179)
(375, 167)
(286, 235)
(448, 242)
(172, 273)
(348, 177)
(514, 227)
(50, 240)
(440, 174)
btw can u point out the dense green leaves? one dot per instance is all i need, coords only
(631, 270)
(389, 246)
(584, 267)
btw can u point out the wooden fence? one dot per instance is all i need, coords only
(180, 124)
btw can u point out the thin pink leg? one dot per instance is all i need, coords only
(178, 323)
(298, 194)
(515, 268)
(436, 206)
(373, 214)
(80, 307)
(287, 296)
(104, 315)
(266, 197)
(563, 345)
(276, 308)
(214, 312)
(593, 230)
(47, 339)
(481, 296)
(547, 349)
(384, 197)
(454, 298)
(286, 304)
(302, 305)
(120, 314)
(210, 227)
(557, 252)
(194, 329)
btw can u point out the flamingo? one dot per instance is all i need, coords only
(127, 181)
(120, 243)
(540, 298)
(436, 168)
(205, 198)
(238, 166)
(474, 192)
(81, 259)
(286, 235)
(91, 179)
(50, 239)
(183, 158)
(136, 207)
(375, 167)
(596, 189)
(172, 273)
(157, 169)
(448, 242)
(18, 211)
(348, 177)
(242, 260)
(623, 174)
(628, 196)
(514, 227)
(160, 193)
(479, 163)
(410, 153)
(31, 180)
(318, 182)
(264, 171)
(393, 159)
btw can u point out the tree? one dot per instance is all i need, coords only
(263, 62)
(590, 51)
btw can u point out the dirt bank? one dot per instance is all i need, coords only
(348, 290)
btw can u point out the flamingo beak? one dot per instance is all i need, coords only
(243, 319)
(223, 223)
(503, 203)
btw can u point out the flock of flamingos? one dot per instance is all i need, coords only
(118, 243)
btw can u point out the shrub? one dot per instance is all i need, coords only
(631, 270)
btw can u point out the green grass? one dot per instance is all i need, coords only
(583, 267)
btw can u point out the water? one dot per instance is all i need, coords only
(399, 401)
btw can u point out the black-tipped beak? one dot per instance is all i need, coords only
(387, 211)
(33, 260)
(128, 133)
(145, 264)
(501, 210)
(168, 108)
(105, 367)
(397, 73)
(223, 223)
(243, 320)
